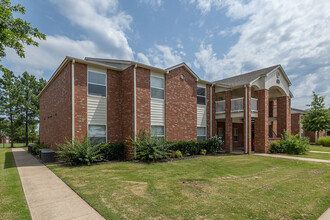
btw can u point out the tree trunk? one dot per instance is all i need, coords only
(11, 131)
(26, 129)
(317, 138)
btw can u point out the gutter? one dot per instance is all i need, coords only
(72, 91)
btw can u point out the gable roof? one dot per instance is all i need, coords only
(296, 110)
(184, 65)
(245, 78)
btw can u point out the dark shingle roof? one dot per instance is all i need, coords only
(244, 78)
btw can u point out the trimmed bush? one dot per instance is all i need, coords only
(80, 152)
(178, 154)
(203, 152)
(325, 141)
(214, 145)
(112, 151)
(291, 144)
(35, 148)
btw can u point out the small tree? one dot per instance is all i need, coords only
(318, 117)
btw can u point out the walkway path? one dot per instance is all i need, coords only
(325, 215)
(47, 196)
(321, 152)
(294, 158)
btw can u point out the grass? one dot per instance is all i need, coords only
(15, 145)
(212, 187)
(314, 156)
(320, 148)
(12, 200)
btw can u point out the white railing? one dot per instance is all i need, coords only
(254, 105)
(220, 106)
(237, 105)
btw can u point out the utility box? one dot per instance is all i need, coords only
(47, 155)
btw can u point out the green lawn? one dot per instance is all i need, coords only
(15, 145)
(212, 187)
(320, 148)
(12, 200)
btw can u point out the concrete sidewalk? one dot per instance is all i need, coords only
(319, 152)
(292, 158)
(325, 215)
(47, 196)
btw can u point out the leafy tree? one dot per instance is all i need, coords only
(9, 99)
(4, 128)
(30, 87)
(15, 32)
(318, 117)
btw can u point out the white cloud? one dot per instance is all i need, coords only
(205, 5)
(143, 58)
(153, 3)
(292, 33)
(49, 54)
(164, 56)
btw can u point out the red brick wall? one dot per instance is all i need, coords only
(208, 122)
(261, 123)
(208, 110)
(56, 110)
(180, 106)
(283, 114)
(80, 100)
(295, 126)
(114, 108)
(142, 99)
(229, 125)
(214, 123)
(127, 108)
(247, 117)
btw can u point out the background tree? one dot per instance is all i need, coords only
(15, 32)
(318, 117)
(9, 99)
(29, 102)
(4, 129)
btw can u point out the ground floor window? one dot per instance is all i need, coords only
(220, 133)
(236, 134)
(97, 134)
(158, 131)
(201, 133)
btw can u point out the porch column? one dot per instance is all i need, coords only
(228, 124)
(283, 115)
(261, 123)
(247, 120)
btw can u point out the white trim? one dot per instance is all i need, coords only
(72, 91)
(105, 84)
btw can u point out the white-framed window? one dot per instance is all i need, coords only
(236, 134)
(158, 131)
(157, 86)
(201, 96)
(97, 84)
(201, 133)
(97, 133)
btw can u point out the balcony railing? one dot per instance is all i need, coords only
(236, 105)
(254, 105)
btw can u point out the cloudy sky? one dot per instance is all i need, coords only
(216, 38)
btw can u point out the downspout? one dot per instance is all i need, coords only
(72, 91)
(211, 100)
(246, 120)
(135, 108)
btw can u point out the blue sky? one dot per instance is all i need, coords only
(216, 38)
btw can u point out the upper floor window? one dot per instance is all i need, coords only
(97, 84)
(201, 96)
(157, 87)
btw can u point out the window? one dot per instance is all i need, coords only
(157, 87)
(220, 132)
(97, 134)
(235, 134)
(201, 96)
(96, 84)
(201, 133)
(158, 130)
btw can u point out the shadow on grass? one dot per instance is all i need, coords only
(9, 160)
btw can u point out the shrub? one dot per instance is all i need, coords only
(214, 144)
(37, 147)
(112, 151)
(203, 152)
(325, 141)
(150, 148)
(291, 144)
(80, 152)
(178, 154)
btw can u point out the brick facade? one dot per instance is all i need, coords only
(80, 100)
(180, 105)
(143, 107)
(283, 114)
(295, 125)
(228, 123)
(261, 123)
(248, 120)
(56, 110)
